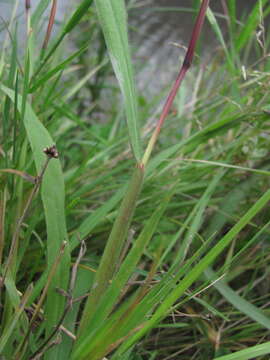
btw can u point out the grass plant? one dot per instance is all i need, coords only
(133, 239)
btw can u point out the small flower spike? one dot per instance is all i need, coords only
(51, 152)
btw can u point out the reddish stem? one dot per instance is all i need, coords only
(186, 63)
(50, 25)
(27, 5)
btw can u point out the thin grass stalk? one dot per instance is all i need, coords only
(49, 28)
(182, 73)
(110, 258)
(3, 198)
(14, 320)
(70, 301)
(114, 292)
(16, 123)
(197, 270)
(15, 237)
(74, 20)
(28, 15)
(20, 351)
(8, 36)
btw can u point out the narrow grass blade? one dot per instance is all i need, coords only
(229, 205)
(196, 272)
(197, 138)
(232, 12)
(44, 78)
(249, 353)
(123, 321)
(112, 17)
(238, 302)
(230, 166)
(20, 310)
(96, 217)
(211, 18)
(77, 16)
(250, 25)
(109, 300)
(82, 82)
(196, 217)
(39, 11)
(73, 21)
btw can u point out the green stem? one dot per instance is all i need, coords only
(110, 259)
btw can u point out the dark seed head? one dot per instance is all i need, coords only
(27, 4)
(51, 152)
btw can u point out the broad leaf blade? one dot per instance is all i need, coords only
(53, 198)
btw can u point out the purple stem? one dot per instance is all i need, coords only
(186, 64)
(50, 24)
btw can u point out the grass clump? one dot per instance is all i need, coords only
(120, 243)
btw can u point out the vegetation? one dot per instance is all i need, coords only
(132, 239)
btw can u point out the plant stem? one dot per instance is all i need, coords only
(184, 68)
(110, 258)
(18, 354)
(21, 220)
(49, 28)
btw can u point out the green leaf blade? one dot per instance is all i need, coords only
(53, 198)
(112, 17)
